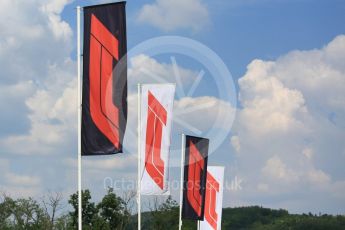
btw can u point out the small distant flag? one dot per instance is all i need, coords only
(104, 102)
(194, 184)
(156, 117)
(214, 199)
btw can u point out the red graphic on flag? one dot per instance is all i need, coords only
(104, 48)
(212, 188)
(196, 165)
(156, 119)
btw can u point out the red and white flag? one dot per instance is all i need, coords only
(214, 199)
(156, 117)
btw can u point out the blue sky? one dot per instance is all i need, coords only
(286, 60)
(248, 29)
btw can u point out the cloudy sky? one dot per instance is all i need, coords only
(285, 148)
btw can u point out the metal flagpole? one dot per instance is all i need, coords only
(181, 178)
(139, 159)
(79, 120)
(198, 224)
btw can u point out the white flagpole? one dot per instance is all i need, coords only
(79, 120)
(139, 159)
(181, 178)
(198, 221)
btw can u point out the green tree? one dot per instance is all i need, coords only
(164, 215)
(111, 210)
(52, 204)
(6, 210)
(64, 222)
(27, 214)
(89, 210)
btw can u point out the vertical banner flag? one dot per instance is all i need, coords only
(214, 199)
(194, 183)
(156, 117)
(104, 103)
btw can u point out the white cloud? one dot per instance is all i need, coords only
(38, 96)
(216, 113)
(110, 164)
(318, 177)
(53, 9)
(29, 49)
(28, 43)
(18, 185)
(235, 142)
(169, 15)
(4, 164)
(14, 117)
(308, 152)
(21, 191)
(291, 126)
(268, 102)
(22, 180)
(262, 187)
(120, 162)
(144, 69)
(52, 117)
(36, 66)
(276, 169)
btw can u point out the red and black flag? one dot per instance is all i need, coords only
(104, 103)
(194, 183)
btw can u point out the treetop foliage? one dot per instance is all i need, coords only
(118, 213)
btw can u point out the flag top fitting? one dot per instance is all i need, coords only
(105, 4)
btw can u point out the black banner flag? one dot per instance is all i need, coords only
(104, 103)
(194, 183)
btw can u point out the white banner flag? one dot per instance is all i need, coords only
(156, 117)
(214, 199)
